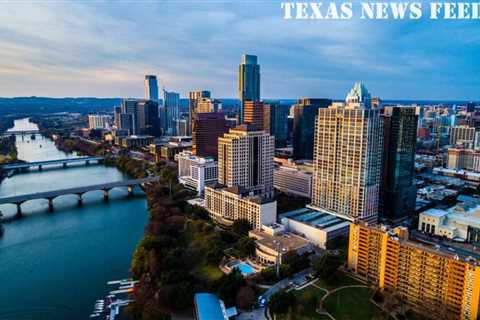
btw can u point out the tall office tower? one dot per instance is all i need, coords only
(148, 121)
(139, 116)
(151, 88)
(171, 105)
(245, 159)
(253, 114)
(208, 105)
(359, 94)
(130, 123)
(432, 280)
(304, 113)
(193, 98)
(275, 122)
(117, 110)
(207, 128)
(347, 161)
(471, 107)
(398, 190)
(248, 82)
(461, 134)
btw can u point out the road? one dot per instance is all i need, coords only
(259, 313)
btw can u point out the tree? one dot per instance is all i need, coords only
(281, 302)
(228, 286)
(245, 246)
(241, 227)
(245, 298)
(327, 266)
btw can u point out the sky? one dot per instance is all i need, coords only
(104, 48)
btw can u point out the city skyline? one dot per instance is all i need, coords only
(105, 57)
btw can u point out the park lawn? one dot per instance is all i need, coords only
(343, 281)
(352, 304)
(307, 302)
(209, 272)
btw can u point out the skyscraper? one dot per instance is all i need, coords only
(248, 82)
(347, 160)
(253, 114)
(193, 98)
(138, 116)
(208, 105)
(170, 113)
(207, 128)
(151, 88)
(305, 112)
(398, 190)
(359, 94)
(245, 159)
(275, 122)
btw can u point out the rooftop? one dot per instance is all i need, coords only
(281, 243)
(316, 218)
(209, 307)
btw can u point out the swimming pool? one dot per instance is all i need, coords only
(245, 268)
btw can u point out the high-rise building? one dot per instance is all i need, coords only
(245, 159)
(139, 116)
(151, 88)
(193, 98)
(360, 94)
(461, 134)
(253, 114)
(147, 119)
(347, 160)
(248, 82)
(471, 107)
(275, 122)
(207, 128)
(208, 105)
(430, 279)
(196, 172)
(171, 105)
(305, 112)
(398, 190)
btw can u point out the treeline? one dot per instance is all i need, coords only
(179, 255)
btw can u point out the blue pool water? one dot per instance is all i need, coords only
(245, 268)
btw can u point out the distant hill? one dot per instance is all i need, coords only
(42, 105)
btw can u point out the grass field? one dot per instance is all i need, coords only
(352, 304)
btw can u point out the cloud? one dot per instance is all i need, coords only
(105, 48)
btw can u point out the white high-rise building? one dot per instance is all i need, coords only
(245, 159)
(348, 157)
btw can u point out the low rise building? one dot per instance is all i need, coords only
(209, 307)
(461, 222)
(226, 205)
(293, 180)
(134, 141)
(279, 248)
(196, 172)
(428, 278)
(319, 227)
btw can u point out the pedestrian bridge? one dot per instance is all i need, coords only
(18, 166)
(79, 191)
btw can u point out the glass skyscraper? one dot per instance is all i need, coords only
(275, 122)
(151, 88)
(248, 82)
(305, 112)
(170, 112)
(398, 190)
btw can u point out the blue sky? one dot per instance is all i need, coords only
(94, 48)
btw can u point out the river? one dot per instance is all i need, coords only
(55, 265)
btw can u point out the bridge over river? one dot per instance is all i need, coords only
(18, 166)
(79, 191)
